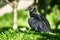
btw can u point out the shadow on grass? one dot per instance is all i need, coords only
(3, 29)
(45, 36)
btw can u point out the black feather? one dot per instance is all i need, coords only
(38, 22)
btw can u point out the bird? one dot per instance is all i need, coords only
(38, 23)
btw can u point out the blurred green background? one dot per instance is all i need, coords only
(6, 22)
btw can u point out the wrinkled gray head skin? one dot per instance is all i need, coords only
(31, 9)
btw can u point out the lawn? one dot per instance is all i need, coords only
(7, 33)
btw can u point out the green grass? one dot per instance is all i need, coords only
(7, 33)
(11, 34)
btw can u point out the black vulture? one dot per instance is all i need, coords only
(37, 22)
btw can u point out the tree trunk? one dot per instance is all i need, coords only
(15, 18)
(15, 15)
(14, 4)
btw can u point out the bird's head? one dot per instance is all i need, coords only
(31, 9)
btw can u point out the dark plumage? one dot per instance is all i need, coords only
(38, 22)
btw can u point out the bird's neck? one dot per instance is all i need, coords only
(32, 14)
